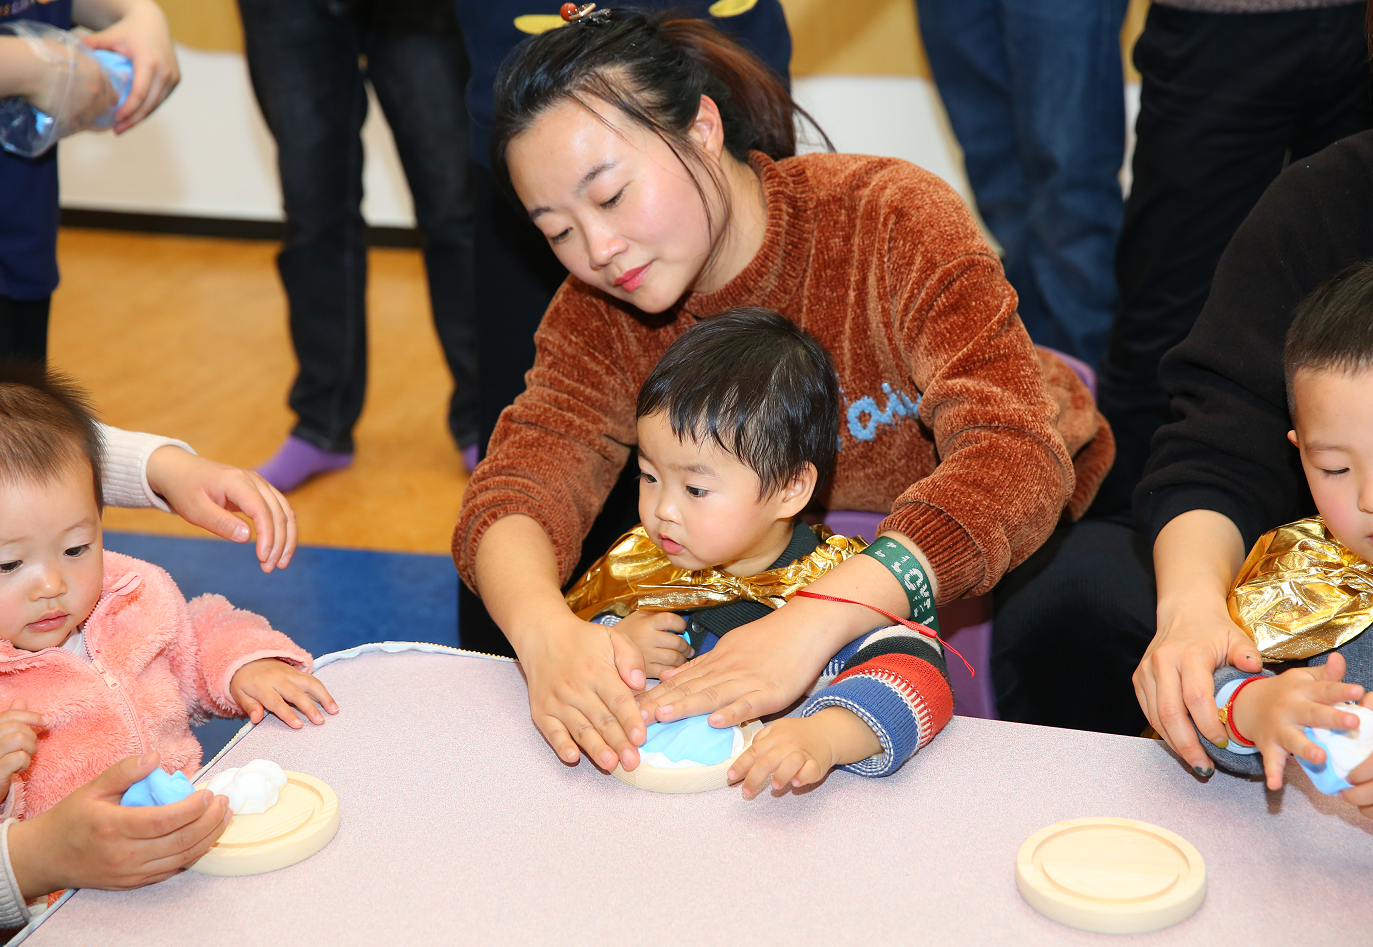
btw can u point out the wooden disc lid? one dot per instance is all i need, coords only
(1113, 876)
(304, 820)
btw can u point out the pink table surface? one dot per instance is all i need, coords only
(460, 826)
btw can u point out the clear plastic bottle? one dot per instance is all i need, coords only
(24, 130)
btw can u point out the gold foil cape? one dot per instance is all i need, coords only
(1301, 592)
(637, 574)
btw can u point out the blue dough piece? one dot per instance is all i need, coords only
(119, 70)
(158, 789)
(1323, 776)
(692, 738)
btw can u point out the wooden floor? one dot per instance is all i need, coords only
(186, 336)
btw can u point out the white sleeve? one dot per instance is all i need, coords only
(125, 477)
(13, 911)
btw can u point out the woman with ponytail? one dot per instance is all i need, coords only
(659, 159)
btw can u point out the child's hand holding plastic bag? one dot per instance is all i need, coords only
(80, 88)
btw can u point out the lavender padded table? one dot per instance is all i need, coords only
(460, 826)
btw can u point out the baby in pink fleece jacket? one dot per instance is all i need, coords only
(101, 657)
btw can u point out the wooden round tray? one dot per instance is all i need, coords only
(302, 822)
(1112, 876)
(689, 779)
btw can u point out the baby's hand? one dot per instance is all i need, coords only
(269, 684)
(652, 634)
(800, 751)
(791, 750)
(18, 742)
(1275, 711)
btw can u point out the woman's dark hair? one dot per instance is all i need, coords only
(47, 426)
(653, 67)
(1332, 329)
(756, 384)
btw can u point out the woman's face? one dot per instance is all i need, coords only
(619, 209)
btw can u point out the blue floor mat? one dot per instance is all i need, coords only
(327, 600)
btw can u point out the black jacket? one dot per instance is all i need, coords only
(1227, 449)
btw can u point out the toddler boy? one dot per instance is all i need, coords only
(738, 426)
(1298, 593)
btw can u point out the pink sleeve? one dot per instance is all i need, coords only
(223, 639)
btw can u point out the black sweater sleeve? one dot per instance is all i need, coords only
(1227, 447)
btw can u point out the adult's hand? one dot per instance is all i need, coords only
(88, 840)
(141, 33)
(208, 494)
(578, 695)
(580, 674)
(1195, 558)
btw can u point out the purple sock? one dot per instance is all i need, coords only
(296, 461)
(469, 457)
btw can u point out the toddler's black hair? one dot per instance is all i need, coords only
(759, 386)
(1332, 329)
(47, 427)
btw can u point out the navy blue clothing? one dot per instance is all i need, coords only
(488, 29)
(28, 189)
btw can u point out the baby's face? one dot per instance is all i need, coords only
(50, 559)
(700, 505)
(1334, 432)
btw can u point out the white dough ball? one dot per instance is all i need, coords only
(252, 788)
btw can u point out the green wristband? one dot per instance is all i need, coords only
(906, 567)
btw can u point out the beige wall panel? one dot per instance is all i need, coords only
(830, 37)
(205, 24)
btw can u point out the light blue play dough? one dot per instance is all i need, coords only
(1323, 777)
(158, 789)
(692, 738)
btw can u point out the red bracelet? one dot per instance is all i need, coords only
(1227, 713)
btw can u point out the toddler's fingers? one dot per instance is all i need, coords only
(14, 762)
(18, 738)
(303, 703)
(740, 767)
(761, 771)
(1320, 713)
(274, 701)
(1274, 759)
(251, 707)
(668, 621)
(1333, 669)
(320, 693)
(787, 770)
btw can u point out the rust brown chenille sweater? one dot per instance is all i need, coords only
(952, 421)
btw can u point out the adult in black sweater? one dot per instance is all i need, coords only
(1085, 607)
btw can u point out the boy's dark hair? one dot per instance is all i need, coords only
(759, 386)
(1332, 329)
(47, 426)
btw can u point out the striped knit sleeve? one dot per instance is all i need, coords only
(897, 682)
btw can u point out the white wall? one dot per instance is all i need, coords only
(207, 153)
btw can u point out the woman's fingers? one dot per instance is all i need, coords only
(558, 738)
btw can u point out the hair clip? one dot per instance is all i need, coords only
(572, 13)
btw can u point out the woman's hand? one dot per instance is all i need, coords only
(1195, 558)
(270, 684)
(1275, 711)
(1360, 778)
(88, 840)
(142, 35)
(655, 635)
(577, 673)
(207, 494)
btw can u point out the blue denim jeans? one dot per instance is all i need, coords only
(309, 62)
(1035, 95)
